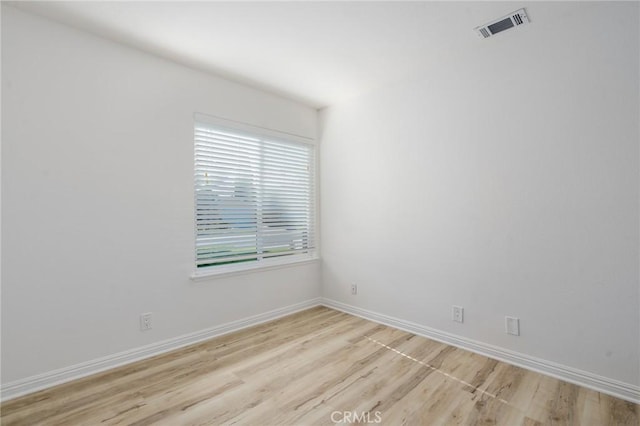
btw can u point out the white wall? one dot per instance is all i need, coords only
(505, 180)
(97, 175)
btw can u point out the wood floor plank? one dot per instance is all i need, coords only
(319, 367)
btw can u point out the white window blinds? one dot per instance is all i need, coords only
(254, 196)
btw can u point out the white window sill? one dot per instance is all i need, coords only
(265, 265)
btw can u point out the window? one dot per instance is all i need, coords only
(254, 196)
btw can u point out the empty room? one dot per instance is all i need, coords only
(320, 213)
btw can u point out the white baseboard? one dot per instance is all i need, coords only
(605, 385)
(598, 383)
(42, 381)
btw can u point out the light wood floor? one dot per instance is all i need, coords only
(319, 366)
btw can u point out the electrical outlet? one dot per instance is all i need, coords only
(512, 325)
(457, 313)
(145, 322)
(354, 289)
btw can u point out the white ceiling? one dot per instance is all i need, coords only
(318, 53)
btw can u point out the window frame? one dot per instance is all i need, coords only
(263, 264)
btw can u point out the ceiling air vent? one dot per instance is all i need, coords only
(512, 20)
